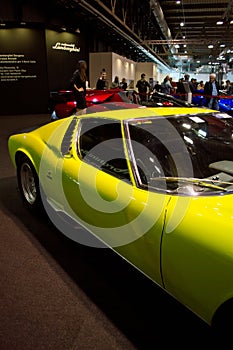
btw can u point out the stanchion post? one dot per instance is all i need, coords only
(189, 97)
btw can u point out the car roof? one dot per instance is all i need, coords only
(134, 113)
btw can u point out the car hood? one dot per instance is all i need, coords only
(100, 98)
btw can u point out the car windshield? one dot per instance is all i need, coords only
(187, 154)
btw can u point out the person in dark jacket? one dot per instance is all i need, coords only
(228, 88)
(123, 84)
(143, 86)
(211, 92)
(78, 84)
(102, 82)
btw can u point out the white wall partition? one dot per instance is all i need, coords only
(114, 64)
(122, 67)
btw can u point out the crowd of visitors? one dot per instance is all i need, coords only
(210, 90)
(103, 83)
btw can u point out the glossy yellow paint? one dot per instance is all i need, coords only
(122, 216)
(185, 244)
(197, 252)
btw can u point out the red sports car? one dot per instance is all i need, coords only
(65, 105)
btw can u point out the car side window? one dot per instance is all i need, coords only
(100, 144)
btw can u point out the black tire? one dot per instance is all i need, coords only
(28, 183)
(222, 324)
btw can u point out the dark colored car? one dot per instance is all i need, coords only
(159, 99)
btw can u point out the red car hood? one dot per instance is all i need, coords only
(98, 98)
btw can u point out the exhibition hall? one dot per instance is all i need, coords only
(116, 174)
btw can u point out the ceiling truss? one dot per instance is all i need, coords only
(155, 26)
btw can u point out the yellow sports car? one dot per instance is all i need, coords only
(154, 184)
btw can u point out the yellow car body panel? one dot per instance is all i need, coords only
(197, 252)
(123, 205)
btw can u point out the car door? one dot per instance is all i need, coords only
(99, 193)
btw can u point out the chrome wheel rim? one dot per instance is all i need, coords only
(28, 183)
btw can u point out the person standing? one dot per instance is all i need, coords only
(166, 85)
(188, 86)
(102, 83)
(211, 90)
(116, 83)
(157, 87)
(228, 88)
(78, 84)
(200, 86)
(143, 86)
(123, 84)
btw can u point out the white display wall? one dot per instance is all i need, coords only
(116, 65)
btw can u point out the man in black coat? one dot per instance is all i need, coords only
(143, 86)
(211, 92)
(102, 82)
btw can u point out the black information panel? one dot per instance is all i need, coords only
(23, 71)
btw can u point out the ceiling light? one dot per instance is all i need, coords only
(210, 46)
(231, 22)
(181, 24)
(219, 23)
(222, 45)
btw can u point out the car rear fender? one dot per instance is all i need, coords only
(26, 145)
